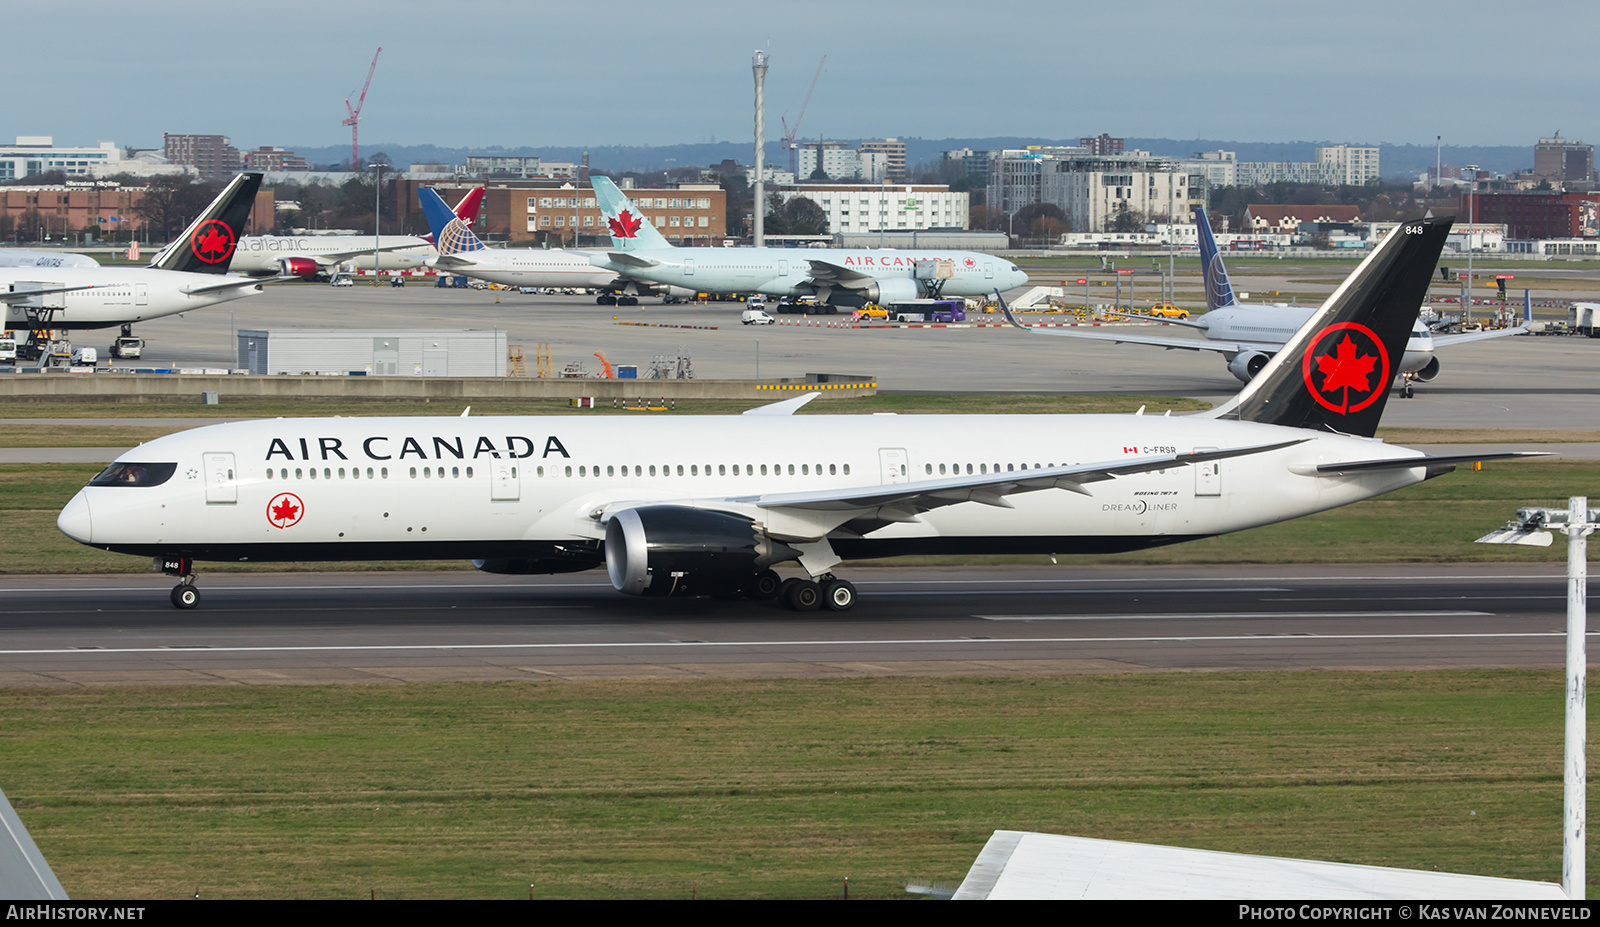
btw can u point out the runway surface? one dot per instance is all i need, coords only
(414, 627)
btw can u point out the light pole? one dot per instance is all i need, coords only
(1532, 527)
(377, 204)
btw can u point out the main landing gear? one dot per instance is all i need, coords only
(609, 300)
(185, 594)
(827, 591)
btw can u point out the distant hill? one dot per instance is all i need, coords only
(1397, 161)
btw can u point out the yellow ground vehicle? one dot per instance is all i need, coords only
(871, 312)
(1168, 311)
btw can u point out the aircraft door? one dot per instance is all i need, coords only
(505, 480)
(988, 271)
(1207, 476)
(688, 268)
(141, 294)
(783, 268)
(222, 485)
(892, 462)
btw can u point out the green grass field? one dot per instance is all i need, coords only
(768, 789)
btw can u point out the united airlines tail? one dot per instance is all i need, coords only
(1334, 373)
(206, 246)
(630, 230)
(451, 234)
(1219, 292)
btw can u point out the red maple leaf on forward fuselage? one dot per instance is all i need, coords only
(285, 511)
(625, 225)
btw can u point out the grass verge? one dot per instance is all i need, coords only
(769, 789)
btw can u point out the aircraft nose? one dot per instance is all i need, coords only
(74, 519)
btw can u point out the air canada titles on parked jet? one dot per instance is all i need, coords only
(706, 505)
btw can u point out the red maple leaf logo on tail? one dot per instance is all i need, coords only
(211, 245)
(1345, 369)
(625, 226)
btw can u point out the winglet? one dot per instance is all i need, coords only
(1006, 311)
(786, 407)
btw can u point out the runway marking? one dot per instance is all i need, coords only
(685, 645)
(1203, 615)
(1405, 598)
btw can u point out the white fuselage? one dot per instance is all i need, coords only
(786, 271)
(490, 486)
(529, 267)
(115, 295)
(262, 254)
(1274, 325)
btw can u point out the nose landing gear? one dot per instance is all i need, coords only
(185, 594)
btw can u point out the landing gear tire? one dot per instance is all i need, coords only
(838, 595)
(185, 596)
(605, 300)
(627, 300)
(803, 596)
(1406, 392)
(765, 586)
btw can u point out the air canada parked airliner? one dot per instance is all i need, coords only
(706, 505)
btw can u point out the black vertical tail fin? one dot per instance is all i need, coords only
(1334, 373)
(206, 246)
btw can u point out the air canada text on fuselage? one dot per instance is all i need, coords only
(387, 447)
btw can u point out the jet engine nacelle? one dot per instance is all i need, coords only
(661, 550)
(305, 268)
(892, 290)
(1429, 371)
(1246, 364)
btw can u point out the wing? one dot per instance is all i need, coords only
(838, 275)
(1229, 348)
(329, 258)
(1442, 463)
(1444, 341)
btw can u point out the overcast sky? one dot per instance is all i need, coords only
(494, 72)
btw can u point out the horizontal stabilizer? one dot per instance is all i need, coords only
(786, 407)
(631, 260)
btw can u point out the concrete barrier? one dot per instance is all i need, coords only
(149, 387)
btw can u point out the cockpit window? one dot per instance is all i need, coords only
(135, 474)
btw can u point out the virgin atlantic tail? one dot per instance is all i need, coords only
(206, 246)
(1334, 373)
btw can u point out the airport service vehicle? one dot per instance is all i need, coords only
(928, 310)
(85, 357)
(707, 505)
(460, 252)
(1168, 311)
(127, 347)
(190, 274)
(1249, 336)
(756, 317)
(8, 347)
(848, 277)
(341, 280)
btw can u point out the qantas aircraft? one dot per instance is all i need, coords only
(460, 252)
(1248, 336)
(706, 505)
(835, 277)
(189, 274)
(22, 257)
(308, 256)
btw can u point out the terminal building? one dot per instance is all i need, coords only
(857, 208)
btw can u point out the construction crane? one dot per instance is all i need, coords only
(790, 133)
(354, 119)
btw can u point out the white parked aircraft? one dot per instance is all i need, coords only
(308, 256)
(705, 505)
(189, 274)
(1248, 336)
(23, 257)
(460, 252)
(834, 277)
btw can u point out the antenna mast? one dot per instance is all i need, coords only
(354, 119)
